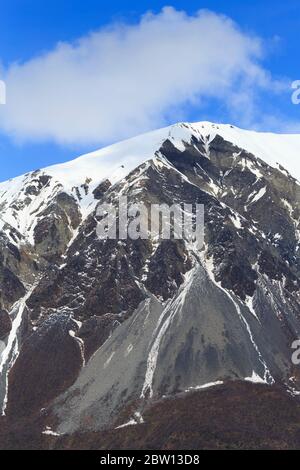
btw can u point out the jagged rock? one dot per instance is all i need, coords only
(95, 331)
(54, 230)
(49, 362)
(11, 287)
(101, 189)
(5, 324)
(167, 267)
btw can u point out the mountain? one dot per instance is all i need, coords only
(97, 335)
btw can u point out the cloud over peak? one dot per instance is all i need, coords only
(125, 79)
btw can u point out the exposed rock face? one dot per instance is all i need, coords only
(50, 361)
(11, 287)
(95, 331)
(157, 317)
(5, 324)
(101, 189)
(53, 231)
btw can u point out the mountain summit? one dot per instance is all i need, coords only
(94, 333)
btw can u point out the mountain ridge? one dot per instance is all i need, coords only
(137, 320)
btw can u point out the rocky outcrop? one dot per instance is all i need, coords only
(11, 287)
(96, 330)
(5, 324)
(49, 362)
(55, 227)
(101, 189)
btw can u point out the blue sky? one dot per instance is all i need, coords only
(32, 28)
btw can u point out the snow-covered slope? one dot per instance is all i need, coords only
(81, 176)
(115, 161)
(274, 149)
(24, 198)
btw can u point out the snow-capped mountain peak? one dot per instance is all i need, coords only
(108, 322)
(24, 198)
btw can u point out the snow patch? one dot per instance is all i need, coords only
(48, 431)
(138, 419)
(204, 386)
(255, 378)
(259, 195)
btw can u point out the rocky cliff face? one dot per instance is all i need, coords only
(91, 329)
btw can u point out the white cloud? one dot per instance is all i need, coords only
(125, 79)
